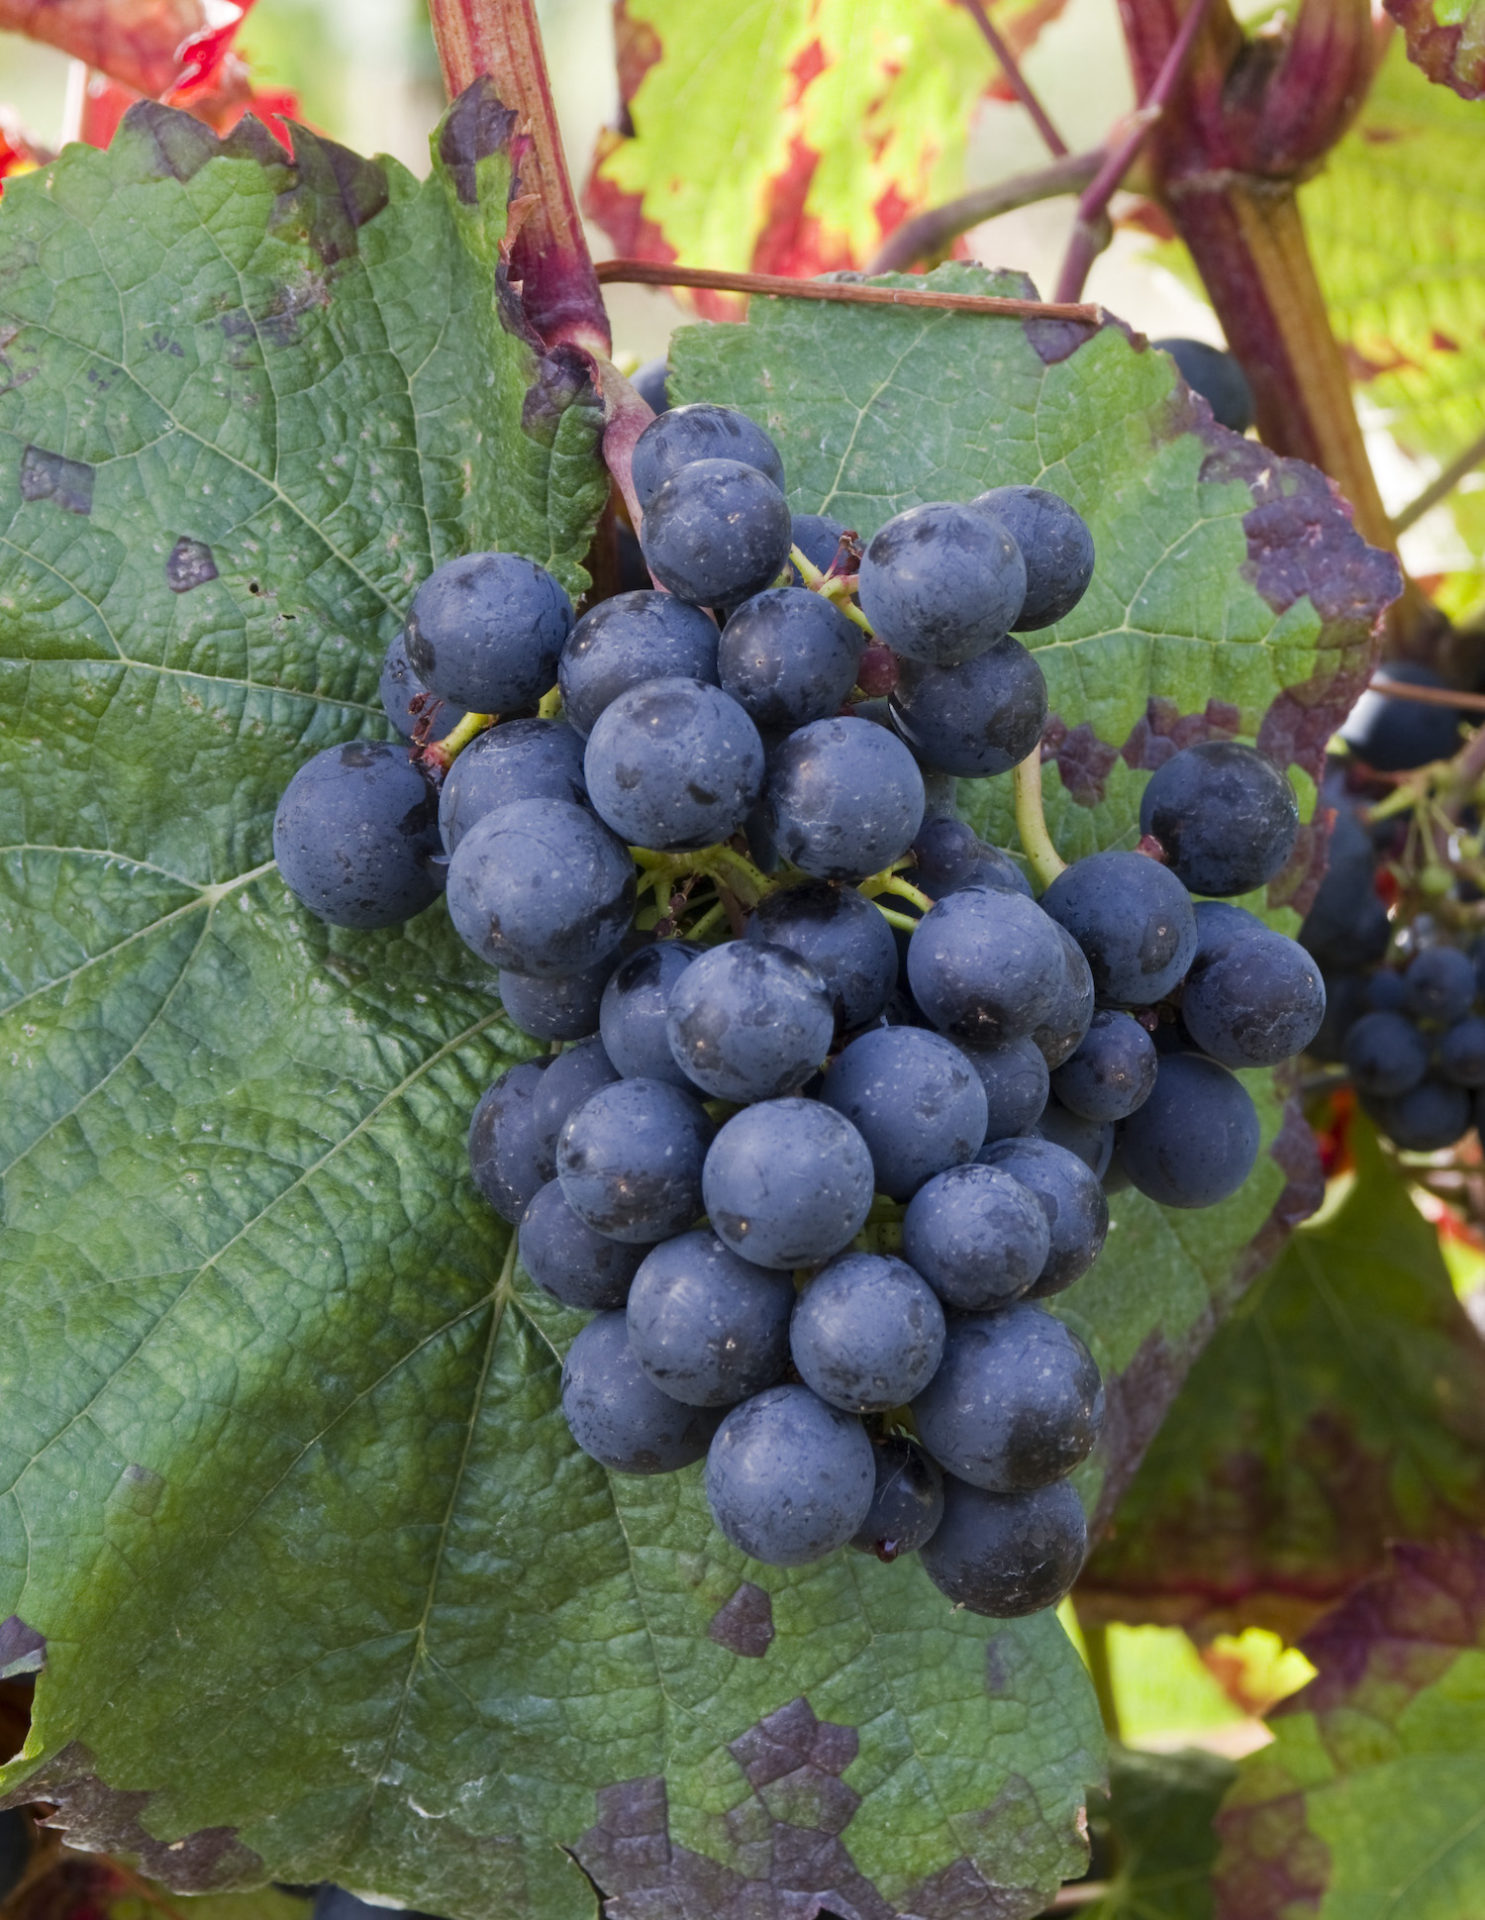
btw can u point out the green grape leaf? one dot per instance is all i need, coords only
(1446, 38)
(1398, 238)
(1231, 598)
(797, 138)
(1368, 1801)
(316, 1584)
(1341, 1405)
(1154, 1829)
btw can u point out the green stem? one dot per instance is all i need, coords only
(1101, 1672)
(808, 572)
(890, 882)
(715, 912)
(725, 865)
(550, 704)
(443, 753)
(904, 922)
(1031, 822)
(838, 592)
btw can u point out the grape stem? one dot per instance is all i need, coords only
(550, 704)
(836, 588)
(1031, 821)
(441, 754)
(889, 881)
(929, 235)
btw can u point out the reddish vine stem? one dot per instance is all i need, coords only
(1089, 235)
(1429, 696)
(648, 273)
(548, 250)
(1019, 84)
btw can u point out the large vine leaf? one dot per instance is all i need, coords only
(1397, 232)
(1342, 1405)
(1446, 38)
(1232, 597)
(318, 1583)
(797, 135)
(1368, 1802)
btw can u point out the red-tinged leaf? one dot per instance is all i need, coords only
(151, 45)
(796, 139)
(1368, 1802)
(1341, 1404)
(220, 101)
(1446, 38)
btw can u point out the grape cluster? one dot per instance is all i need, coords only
(1400, 944)
(837, 1099)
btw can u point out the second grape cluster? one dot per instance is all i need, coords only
(838, 1100)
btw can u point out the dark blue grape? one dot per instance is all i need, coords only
(1091, 1140)
(1072, 1200)
(976, 719)
(674, 765)
(683, 435)
(843, 799)
(788, 657)
(620, 1417)
(505, 1147)
(986, 966)
(1426, 1118)
(749, 1022)
(635, 636)
(1133, 920)
(631, 1017)
(575, 1074)
(1004, 1555)
(1219, 926)
(1385, 1055)
(1226, 817)
(1014, 1076)
(1216, 376)
(1385, 993)
(568, 1260)
(335, 1903)
(1112, 1072)
(523, 760)
(941, 583)
(1055, 544)
(486, 631)
(1439, 985)
(788, 1183)
(1195, 1139)
(716, 532)
(1345, 1002)
(560, 1008)
(1394, 736)
(1461, 1056)
(949, 855)
(649, 382)
(356, 833)
(630, 1160)
(914, 1099)
(1260, 1003)
(907, 1503)
(817, 537)
(407, 702)
(867, 1333)
(1347, 925)
(1016, 1403)
(541, 887)
(978, 1236)
(789, 1479)
(843, 937)
(1059, 1036)
(707, 1327)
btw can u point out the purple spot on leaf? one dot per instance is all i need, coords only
(189, 564)
(744, 1624)
(51, 476)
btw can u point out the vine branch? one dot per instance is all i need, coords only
(930, 233)
(1459, 468)
(652, 273)
(1020, 85)
(1089, 235)
(1031, 821)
